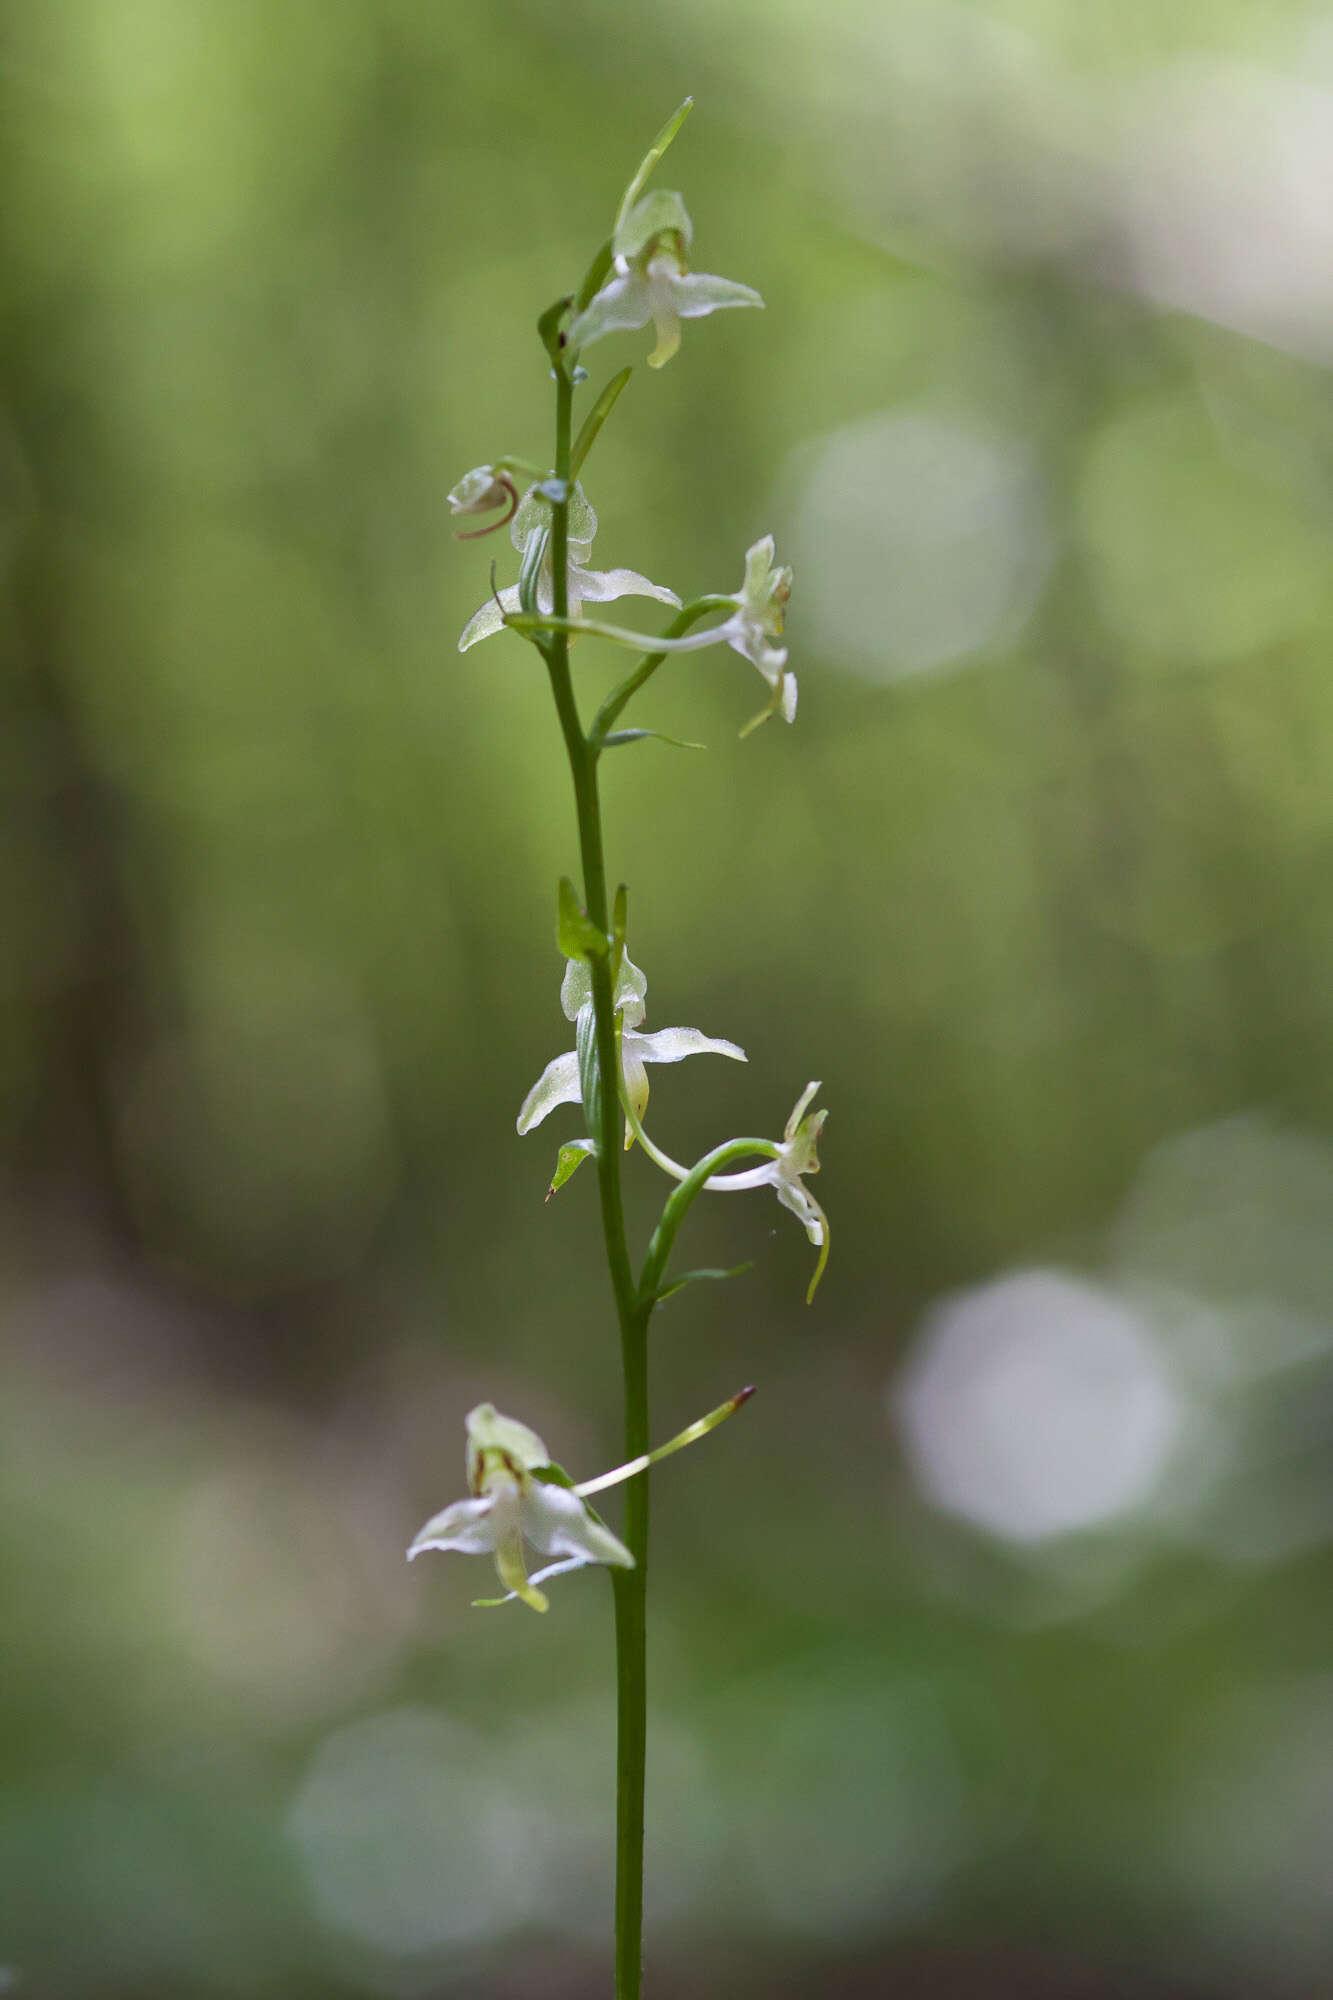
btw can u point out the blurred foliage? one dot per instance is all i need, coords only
(1039, 408)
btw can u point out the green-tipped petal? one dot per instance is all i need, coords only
(507, 1514)
(661, 213)
(636, 1083)
(663, 280)
(488, 1430)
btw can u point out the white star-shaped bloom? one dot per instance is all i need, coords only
(651, 285)
(559, 1081)
(517, 1497)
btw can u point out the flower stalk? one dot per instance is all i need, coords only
(518, 1500)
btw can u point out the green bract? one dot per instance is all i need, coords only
(530, 527)
(559, 1082)
(651, 283)
(517, 1497)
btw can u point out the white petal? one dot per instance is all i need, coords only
(466, 1526)
(557, 1523)
(600, 586)
(746, 638)
(557, 1084)
(482, 623)
(794, 1197)
(697, 294)
(619, 307)
(671, 1045)
(631, 990)
(789, 697)
(545, 1574)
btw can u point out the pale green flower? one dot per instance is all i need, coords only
(651, 283)
(559, 1081)
(517, 1497)
(533, 519)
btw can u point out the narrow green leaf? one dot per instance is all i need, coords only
(548, 327)
(693, 1277)
(594, 277)
(576, 934)
(568, 1161)
(619, 736)
(650, 160)
(594, 420)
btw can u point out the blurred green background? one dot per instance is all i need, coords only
(993, 1645)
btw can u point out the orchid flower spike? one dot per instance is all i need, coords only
(518, 1497)
(651, 281)
(559, 1081)
(532, 520)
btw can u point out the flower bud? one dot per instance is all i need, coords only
(480, 491)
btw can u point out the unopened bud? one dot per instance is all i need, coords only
(481, 491)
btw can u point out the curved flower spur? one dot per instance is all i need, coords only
(519, 1498)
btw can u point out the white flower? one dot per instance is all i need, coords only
(559, 1081)
(518, 1496)
(595, 586)
(651, 282)
(797, 1156)
(761, 606)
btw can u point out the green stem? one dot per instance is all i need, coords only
(630, 1585)
(605, 718)
(680, 1201)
